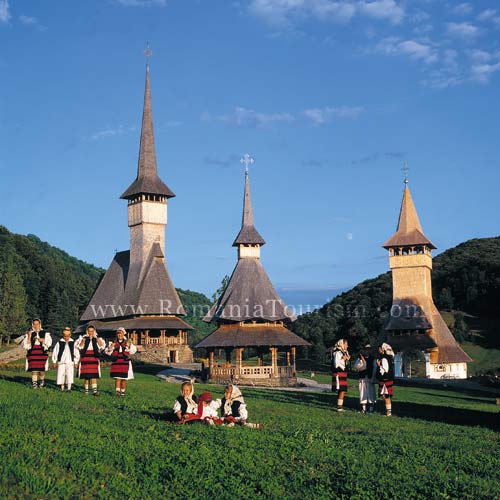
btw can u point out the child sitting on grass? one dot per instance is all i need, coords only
(186, 405)
(234, 409)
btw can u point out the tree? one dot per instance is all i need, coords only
(223, 285)
(445, 299)
(13, 300)
(460, 329)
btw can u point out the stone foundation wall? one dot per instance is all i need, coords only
(161, 354)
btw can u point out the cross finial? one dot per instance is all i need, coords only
(148, 53)
(405, 171)
(246, 160)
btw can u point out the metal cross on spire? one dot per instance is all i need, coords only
(148, 53)
(405, 171)
(247, 160)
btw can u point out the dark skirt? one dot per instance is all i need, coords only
(37, 359)
(119, 368)
(89, 366)
(385, 388)
(339, 382)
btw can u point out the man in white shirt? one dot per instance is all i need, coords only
(65, 357)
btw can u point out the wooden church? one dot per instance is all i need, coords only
(415, 323)
(137, 292)
(251, 319)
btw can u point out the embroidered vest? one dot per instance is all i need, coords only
(62, 346)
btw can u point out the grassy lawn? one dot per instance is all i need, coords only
(440, 444)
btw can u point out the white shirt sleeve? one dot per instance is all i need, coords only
(243, 412)
(47, 340)
(384, 366)
(339, 360)
(55, 353)
(132, 349)
(177, 406)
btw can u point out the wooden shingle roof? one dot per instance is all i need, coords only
(252, 335)
(147, 181)
(409, 231)
(249, 295)
(123, 292)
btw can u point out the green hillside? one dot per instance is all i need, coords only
(466, 282)
(39, 280)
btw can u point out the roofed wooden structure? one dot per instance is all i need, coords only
(415, 322)
(137, 292)
(250, 315)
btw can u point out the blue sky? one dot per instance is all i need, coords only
(329, 97)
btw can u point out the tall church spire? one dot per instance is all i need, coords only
(147, 181)
(248, 235)
(409, 231)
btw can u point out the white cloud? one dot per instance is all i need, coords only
(383, 9)
(462, 9)
(482, 72)
(320, 116)
(243, 117)
(4, 11)
(489, 15)
(283, 12)
(462, 30)
(109, 132)
(32, 21)
(479, 56)
(142, 3)
(415, 50)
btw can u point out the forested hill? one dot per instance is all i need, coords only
(39, 280)
(465, 281)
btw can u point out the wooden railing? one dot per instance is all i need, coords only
(251, 371)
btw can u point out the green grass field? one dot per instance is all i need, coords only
(440, 444)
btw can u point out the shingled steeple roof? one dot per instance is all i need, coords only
(147, 181)
(248, 235)
(409, 231)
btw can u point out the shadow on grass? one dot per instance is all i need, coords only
(444, 414)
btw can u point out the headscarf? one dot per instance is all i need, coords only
(235, 396)
(191, 405)
(387, 349)
(340, 345)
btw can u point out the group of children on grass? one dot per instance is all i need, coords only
(204, 409)
(371, 370)
(84, 354)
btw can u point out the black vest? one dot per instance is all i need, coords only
(94, 346)
(184, 406)
(368, 371)
(386, 377)
(62, 346)
(235, 407)
(41, 335)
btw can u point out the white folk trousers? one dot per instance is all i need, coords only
(65, 373)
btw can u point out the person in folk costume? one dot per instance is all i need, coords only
(37, 342)
(65, 358)
(385, 375)
(121, 367)
(234, 409)
(365, 366)
(208, 410)
(90, 345)
(340, 357)
(186, 405)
